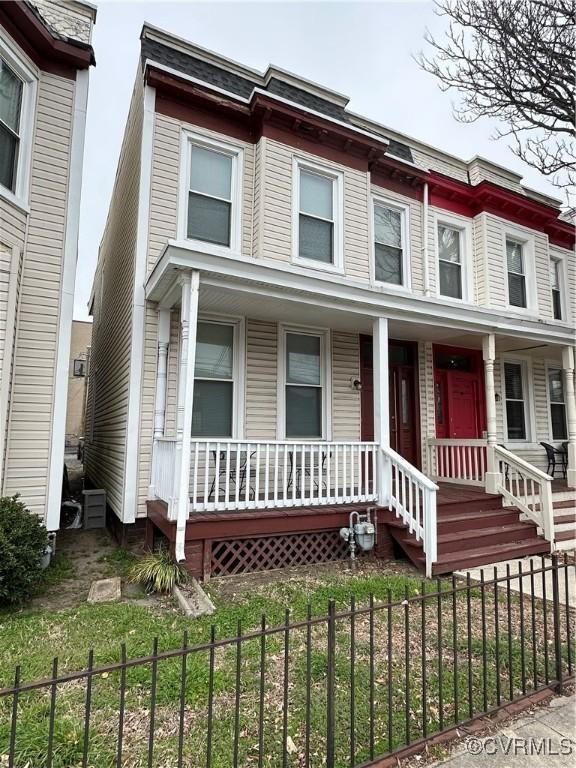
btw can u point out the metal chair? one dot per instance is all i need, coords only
(552, 454)
(303, 469)
(237, 468)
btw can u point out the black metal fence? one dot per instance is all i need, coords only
(341, 689)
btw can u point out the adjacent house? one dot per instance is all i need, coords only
(299, 313)
(77, 368)
(45, 56)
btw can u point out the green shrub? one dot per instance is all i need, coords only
(157, 572)
(23, 540)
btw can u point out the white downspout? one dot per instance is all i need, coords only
(425, 250)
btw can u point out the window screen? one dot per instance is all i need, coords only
(212, 411)
(450, 261)
(303, 386)
(316, 217)
(515, 401)
(210, 196)
(11, 88)
(388, 247)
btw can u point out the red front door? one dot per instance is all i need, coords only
(404, 429)
(458, 393)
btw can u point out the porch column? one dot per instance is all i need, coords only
(190, 283)
(381, 405)
(160, 393)
(492, 478)
(570, 398)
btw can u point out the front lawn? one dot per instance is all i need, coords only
(393, 650)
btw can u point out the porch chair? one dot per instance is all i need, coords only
(552, 454)
(303, 470)
(241, 470)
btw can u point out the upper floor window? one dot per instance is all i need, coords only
(557, 404)
(516, 263)
(450, 261)
(11, 92)
(318, 216)
(390, 249)
(17, 96)
(212, 193)
(555, 267)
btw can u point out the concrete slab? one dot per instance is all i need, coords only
(105, 590)
(526, 580)
(544, 737)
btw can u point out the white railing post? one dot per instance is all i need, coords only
(547, 509)
(430, 529)
(381, 406)
(190, 283)
(492, 477)
(570, 400)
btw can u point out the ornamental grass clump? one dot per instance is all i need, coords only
(157, 572)
(23, 540)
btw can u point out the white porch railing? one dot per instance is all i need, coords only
(524, 486)
(234, 475)
(413, 498)
(457, 461)
(163, 468)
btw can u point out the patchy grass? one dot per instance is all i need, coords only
(60, 568)
(388, 647)
(117, 562)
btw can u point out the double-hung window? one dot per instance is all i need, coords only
(304, 385)
(515, 393)
(211, 192)
(556, 283)
(516, 264)
(557, 404)
(214, 381)
(450, 261)
(318, 216)
(389, 244)
(11, 95)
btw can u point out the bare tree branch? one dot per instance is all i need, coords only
(513, 61)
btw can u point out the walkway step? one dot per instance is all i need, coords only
(454, 561)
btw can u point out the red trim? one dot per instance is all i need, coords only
(59, 57)
(265, 116)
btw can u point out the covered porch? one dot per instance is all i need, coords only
(362, 451)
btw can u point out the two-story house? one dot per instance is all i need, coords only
(299, 312)
(45, 56)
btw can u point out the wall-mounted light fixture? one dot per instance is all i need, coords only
(497, 397)
(356, 384)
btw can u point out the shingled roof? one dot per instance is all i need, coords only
(212, 74)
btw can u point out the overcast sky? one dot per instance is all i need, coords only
(363, 50)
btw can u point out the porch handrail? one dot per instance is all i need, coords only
(530, 489)
(458, 460)
(412, 496)
(235, 474)
(163, 465)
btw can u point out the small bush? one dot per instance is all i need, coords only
(23, 540)
(157, 572)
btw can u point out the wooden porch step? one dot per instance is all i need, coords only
(476, 538)
(471, 558)
(483, 502)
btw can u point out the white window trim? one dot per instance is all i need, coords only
(236, 152)
(528, 390)
(238, 374)
(564, 305)
(325, 381)
(555, 366)
(15, 59)
(523, 237)
(337, 177)
(404, 210)
(465, 226)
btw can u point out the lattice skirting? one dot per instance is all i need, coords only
(266, 552)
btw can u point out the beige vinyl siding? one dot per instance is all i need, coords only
(415, 235)
(346, 421)
(479, 259)
(33, 385)
(495, 262)
(261, 380)
(426, 158)
(485, 171)
(114, 285)
(164, 186)
(5, 272)
(276, 213)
